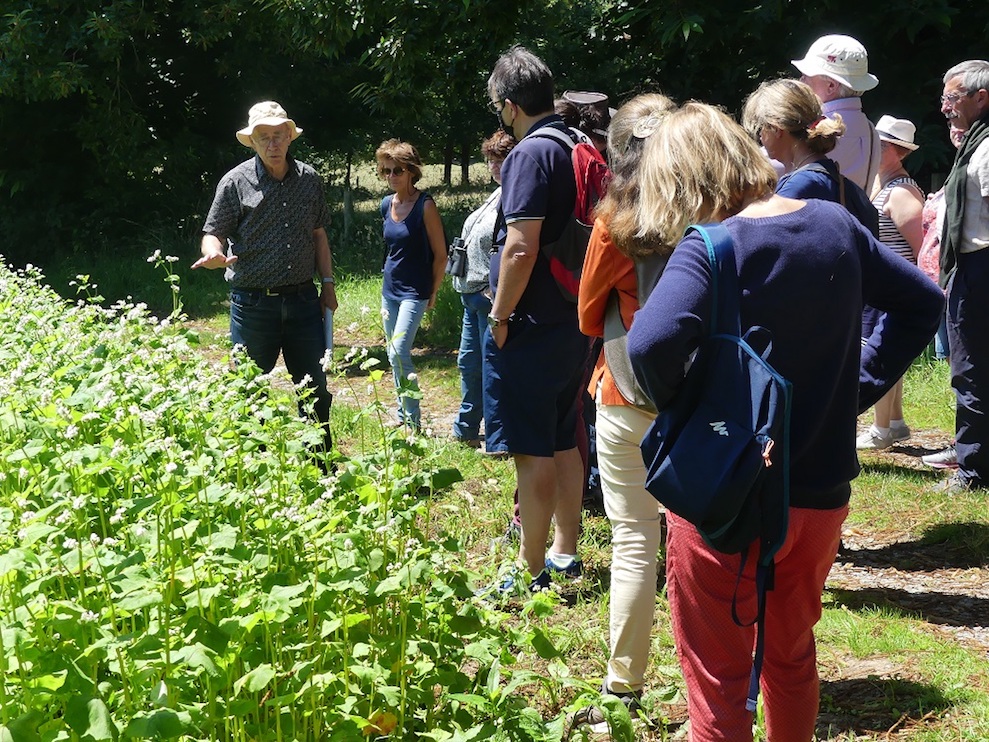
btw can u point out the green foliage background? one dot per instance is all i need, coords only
(118, 115)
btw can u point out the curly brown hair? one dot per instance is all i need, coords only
(497, 146)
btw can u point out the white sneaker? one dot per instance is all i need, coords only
(873, 440)
(946, 459)
(900, 432)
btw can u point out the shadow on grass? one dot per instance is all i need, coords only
(888, 468)
(942, 546)
(943, 609)
(875, 705)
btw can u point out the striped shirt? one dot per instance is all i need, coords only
(889, 235)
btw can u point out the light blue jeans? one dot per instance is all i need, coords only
(467, 424)
(401, 320)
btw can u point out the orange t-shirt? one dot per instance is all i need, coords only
(605, 269)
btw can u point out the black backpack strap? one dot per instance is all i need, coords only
(498, 224)
(839, 179)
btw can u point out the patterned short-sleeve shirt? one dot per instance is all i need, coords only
(268, 224)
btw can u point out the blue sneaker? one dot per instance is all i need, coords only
(575, 568)
(512, 585)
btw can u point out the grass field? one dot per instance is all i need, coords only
(902, 643)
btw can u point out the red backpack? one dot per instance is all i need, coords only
(591, 175)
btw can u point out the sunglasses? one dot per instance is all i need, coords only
(386, 171)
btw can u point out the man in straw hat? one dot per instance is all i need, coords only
(267, 229)
(836, 68)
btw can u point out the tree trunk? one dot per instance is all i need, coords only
(465, 163)
(348, 201)
(448, 162)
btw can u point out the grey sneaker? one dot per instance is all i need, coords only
(899, 432)
(946, 459)
(873, 440)
(953, 485)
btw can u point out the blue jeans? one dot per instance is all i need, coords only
(470, 358)
(292, 324)
(941, 350)
(401, 320)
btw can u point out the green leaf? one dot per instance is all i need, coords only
(49, 682)
(199, 657)
(159, 724)
(543, 645)
(392, 584)
(208, 634)
(138, 600)
(619, 721)
(90, 717)
(443, 478)
(16, 560)
(256, 680)
(25, 728)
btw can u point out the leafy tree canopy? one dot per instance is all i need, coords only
(120, 113)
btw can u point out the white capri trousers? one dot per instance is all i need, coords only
(635, 540)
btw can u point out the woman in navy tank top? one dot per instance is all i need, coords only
(413, 269)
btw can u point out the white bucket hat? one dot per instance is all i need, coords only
(897, 131)
(266, 113)
(841, 58)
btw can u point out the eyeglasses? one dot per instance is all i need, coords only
(278, 139)
(386, 171)
(496, 107)
(953, 98)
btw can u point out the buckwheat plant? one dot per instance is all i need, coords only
(175, 564)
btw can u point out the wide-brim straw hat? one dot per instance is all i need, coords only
(266, 113)
(898, 131)
(841, 58)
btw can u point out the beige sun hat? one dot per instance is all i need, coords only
(841, 58)
(897, 131)
(266, 113)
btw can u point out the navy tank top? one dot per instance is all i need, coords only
(408, 269)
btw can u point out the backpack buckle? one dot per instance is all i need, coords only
(767, 451)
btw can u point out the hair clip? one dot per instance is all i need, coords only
(644, 127)
(814, 124)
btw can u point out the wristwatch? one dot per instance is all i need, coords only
(494, 322)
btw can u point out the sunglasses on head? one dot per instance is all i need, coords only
(391, 170)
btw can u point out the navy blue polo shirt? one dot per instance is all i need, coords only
(537, 182)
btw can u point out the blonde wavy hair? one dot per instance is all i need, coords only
(403, 153)
(630, 127)
(699, 166)
(792, 106)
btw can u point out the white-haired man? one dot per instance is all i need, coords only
(836, 68)
(965, 270)
(267, 229)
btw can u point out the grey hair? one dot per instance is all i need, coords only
(846, 92)
(973, 72)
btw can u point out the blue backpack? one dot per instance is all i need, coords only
(719, 454)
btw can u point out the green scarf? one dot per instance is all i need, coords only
(954, 198)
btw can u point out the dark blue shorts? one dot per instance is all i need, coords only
(531, 387)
